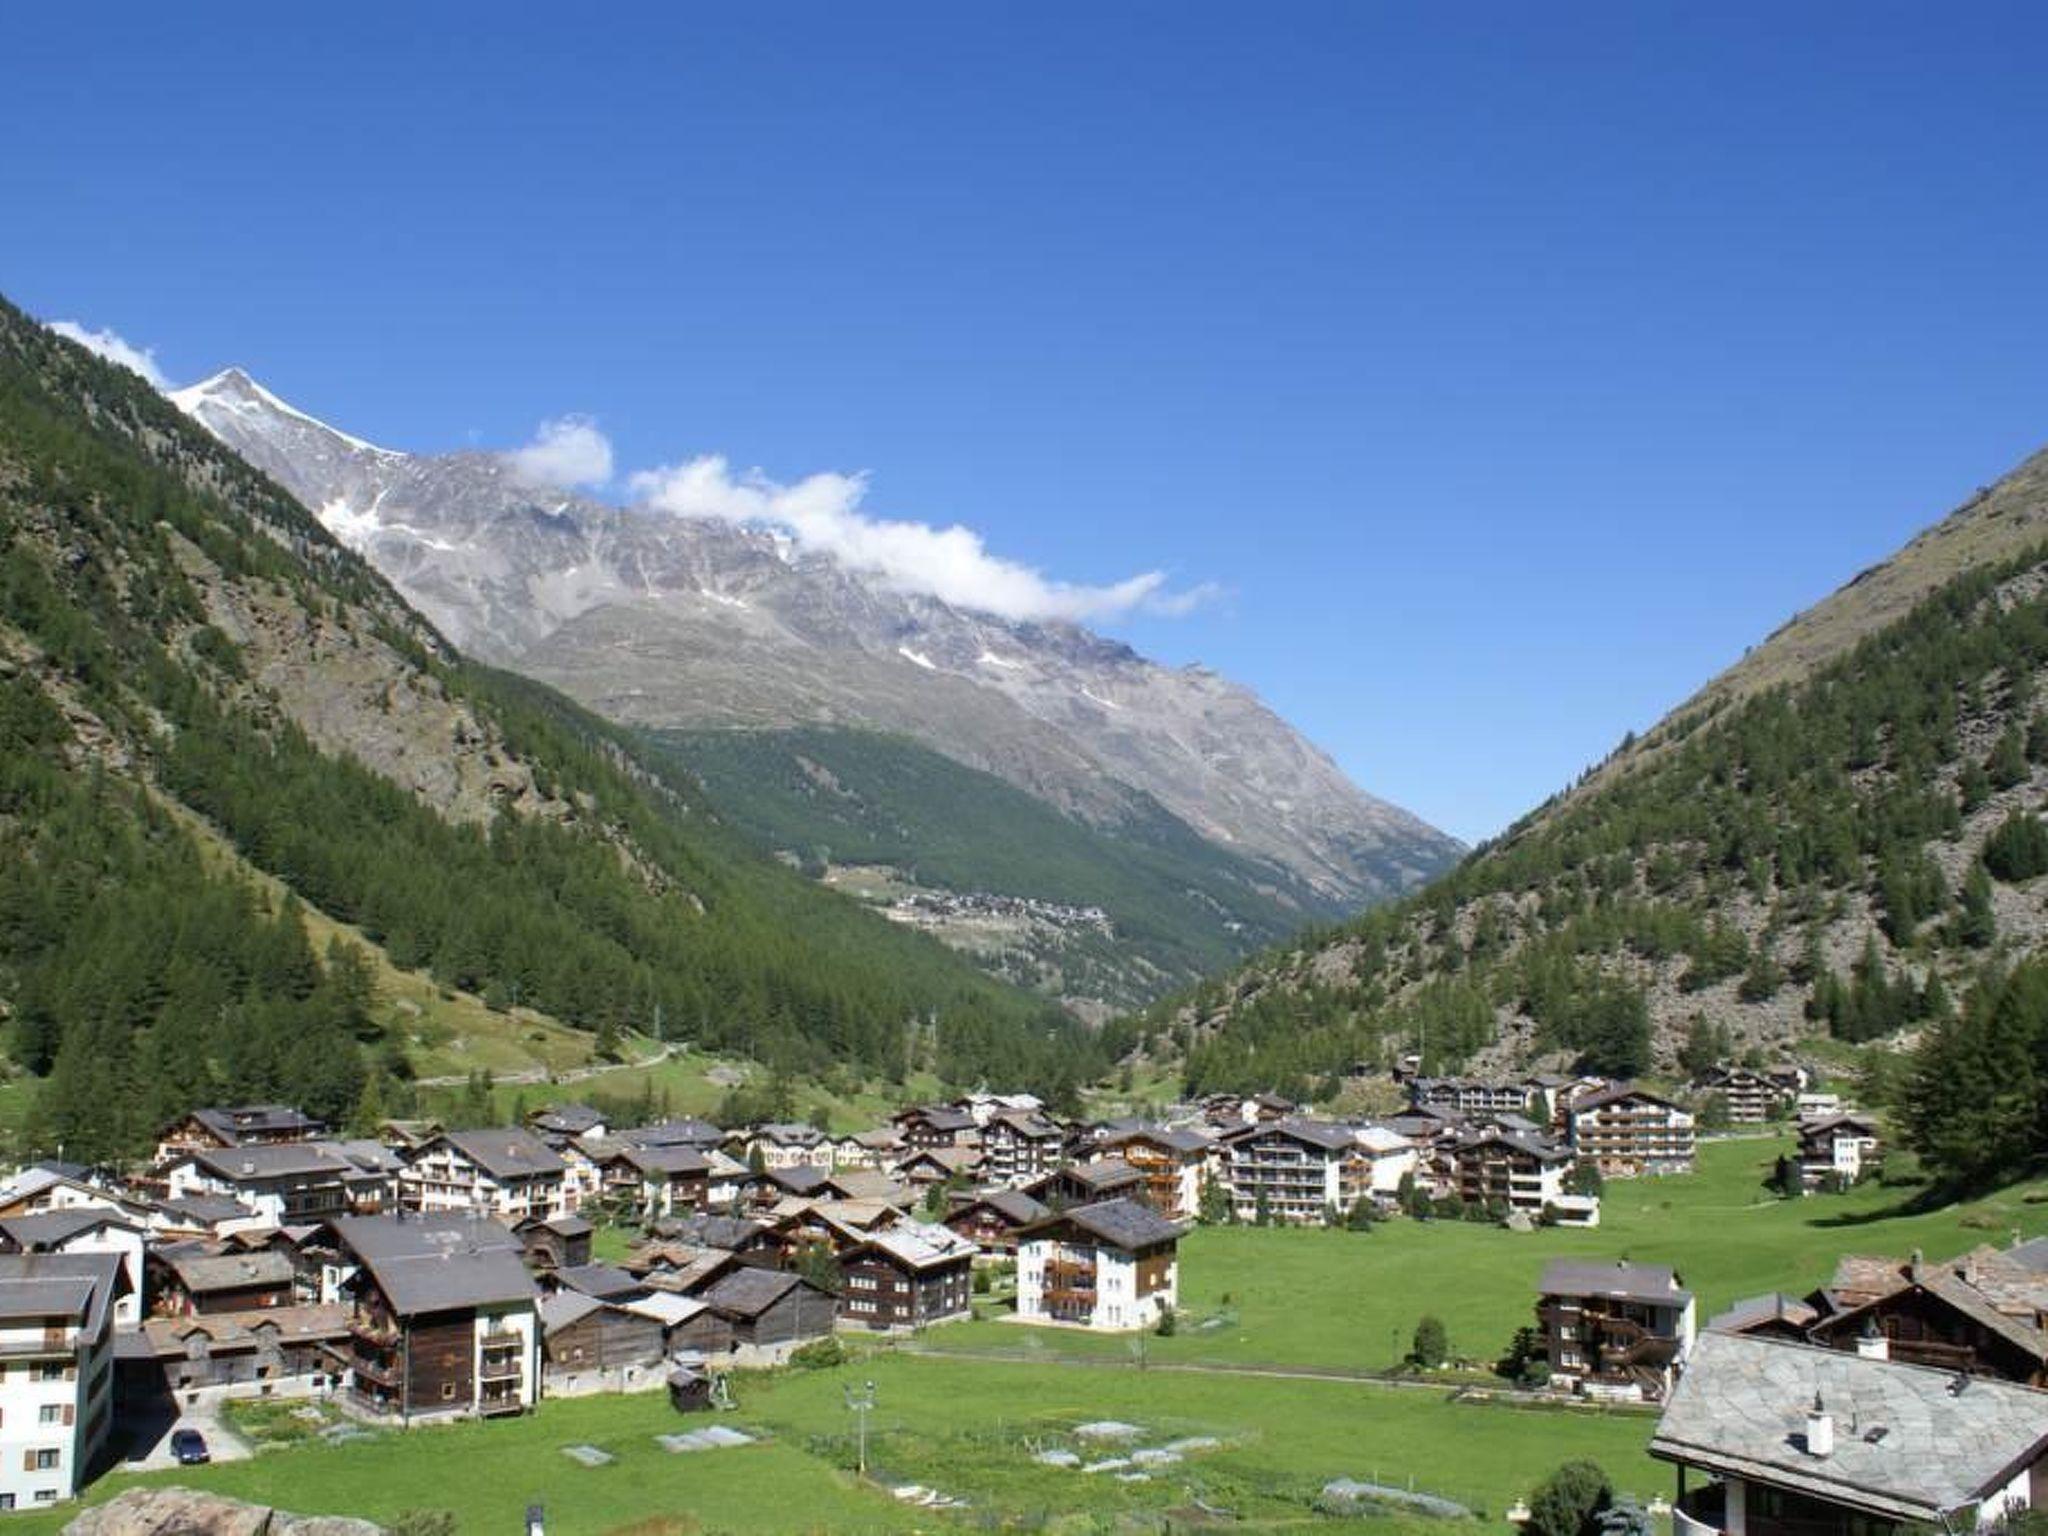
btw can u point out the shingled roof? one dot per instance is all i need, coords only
(1119, 1223)
(1910, 1443)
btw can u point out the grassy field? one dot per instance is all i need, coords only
(969, 1421)
(1242, 1288)
(970, 1431)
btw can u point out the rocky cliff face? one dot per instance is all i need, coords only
(663, 621)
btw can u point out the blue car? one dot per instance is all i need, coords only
(189, 1447)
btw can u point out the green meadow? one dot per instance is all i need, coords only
(1282, 1334)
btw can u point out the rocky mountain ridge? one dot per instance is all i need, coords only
(667, 622)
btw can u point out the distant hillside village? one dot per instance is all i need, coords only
(425, 1272)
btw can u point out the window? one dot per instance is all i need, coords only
(447, 1391)
(53, 1413)
(46, 1460)
(51, 1370)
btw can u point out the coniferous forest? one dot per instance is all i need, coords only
(1832, 856)
(147, 777)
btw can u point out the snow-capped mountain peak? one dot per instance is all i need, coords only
(673, 621)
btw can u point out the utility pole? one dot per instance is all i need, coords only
(861, 1403)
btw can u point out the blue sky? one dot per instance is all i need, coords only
(1509, 367)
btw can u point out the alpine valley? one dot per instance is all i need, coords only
(1841, 835)
(1077, 818)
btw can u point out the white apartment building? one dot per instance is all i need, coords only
(56, 1372)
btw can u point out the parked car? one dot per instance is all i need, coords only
(189, 1447)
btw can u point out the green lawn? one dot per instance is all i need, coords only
(1717, 1228)
(969, 1430)
(1291, 1299)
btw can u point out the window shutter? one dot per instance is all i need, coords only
(70, 1410)
(28, 1461)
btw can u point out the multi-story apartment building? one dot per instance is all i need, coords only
(1174, 1162)
(1514, 1170)
(86, 1230)
(289, 1183)
(1295, 1171)
(909, 1275)
(56, 1372)
(1113, 1265)
(239, 1125)
(1020, 1145)
(1836, 1151)
(1619, 1330)
(506, 1172)
(1625, 1131)
(1750, 1097)
(443, 1316)
(1470, 1095)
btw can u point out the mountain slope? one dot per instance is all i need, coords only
(671, 622)
(179, 638)
(1839, 850)
(1092, 915)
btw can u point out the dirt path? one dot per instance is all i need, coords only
(530, 1075)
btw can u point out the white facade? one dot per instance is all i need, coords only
(508, 1356)
(56, 1407)
(1117, 1305)
(443, 1180)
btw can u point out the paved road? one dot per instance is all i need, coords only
(149, 1446)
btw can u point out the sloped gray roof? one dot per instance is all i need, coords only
(1119, 1223)
(602, 1280)
(438, 1264)
(673, 1133)
(1773, 1306)
(202, 1269)
(1740, 1409)
(1012, 1205)
(80, 1286)
(47, 1229)
(1622, 1278)
(748, 1292)
(506, 1151)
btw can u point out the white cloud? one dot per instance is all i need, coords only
(114, 349)
(823, 513)
(566, 452)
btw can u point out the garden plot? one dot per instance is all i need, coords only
(713, 1437)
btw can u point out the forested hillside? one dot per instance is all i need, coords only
(1177, 906)
(1846, 852)
(197, 683)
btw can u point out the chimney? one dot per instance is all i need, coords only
(1820, 1429)
(1871, 1344)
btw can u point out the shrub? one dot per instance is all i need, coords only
(1432, 1345)
(819, 1354)
(1570, 1501)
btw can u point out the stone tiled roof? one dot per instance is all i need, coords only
(1910, 1443)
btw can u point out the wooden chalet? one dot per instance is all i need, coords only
(555, 1242)
(241, 1125)
(197, 1279)
(1619, 1330)
(992, 1219)
(910, 1275)
(935, 1125)
(443, 1316)
(770, 1311)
